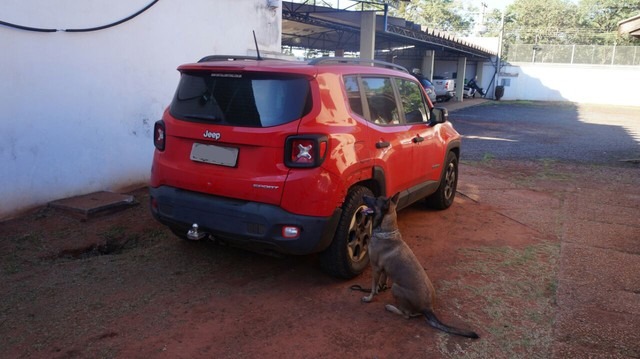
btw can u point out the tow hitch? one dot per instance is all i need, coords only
(194, 234)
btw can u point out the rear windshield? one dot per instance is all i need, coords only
(254, 100)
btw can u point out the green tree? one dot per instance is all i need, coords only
(492, 21)
(541, 21)
(590, 22)
(446, 15)
(598, 21)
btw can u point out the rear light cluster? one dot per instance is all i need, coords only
(159, 135)
(305, 151)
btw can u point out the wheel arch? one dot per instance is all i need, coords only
(378, 181)
(453, 146)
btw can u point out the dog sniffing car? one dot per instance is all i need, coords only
(391, 258)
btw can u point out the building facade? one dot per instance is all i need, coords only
(79, 97)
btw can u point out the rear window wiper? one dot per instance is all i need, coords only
(203, 117)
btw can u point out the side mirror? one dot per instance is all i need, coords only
(439, 115)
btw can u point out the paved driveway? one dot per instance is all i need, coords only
(565, 132)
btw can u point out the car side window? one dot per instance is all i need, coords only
(381, 99)
(353, 94)
(413, 102)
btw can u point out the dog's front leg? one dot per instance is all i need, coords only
(374, 286)
(382, 282)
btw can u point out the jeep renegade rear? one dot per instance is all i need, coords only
(276, 155)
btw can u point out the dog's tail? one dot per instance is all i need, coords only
(436, 323)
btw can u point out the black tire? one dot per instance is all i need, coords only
(348, 254)
(446, 193)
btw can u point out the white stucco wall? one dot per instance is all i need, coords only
(77, 109)
(597, 84)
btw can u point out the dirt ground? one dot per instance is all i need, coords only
(123, 286)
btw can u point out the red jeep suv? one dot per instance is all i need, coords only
(276, 155)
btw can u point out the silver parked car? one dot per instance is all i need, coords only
(428, 87)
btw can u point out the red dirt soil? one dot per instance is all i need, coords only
(123, 286)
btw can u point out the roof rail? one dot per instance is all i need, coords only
(356, 60)
(232, 58)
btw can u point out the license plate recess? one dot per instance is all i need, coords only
(214, 154)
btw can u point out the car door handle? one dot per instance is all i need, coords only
(418, 139)
(382, 144)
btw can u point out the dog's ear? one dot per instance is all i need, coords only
(395, 198)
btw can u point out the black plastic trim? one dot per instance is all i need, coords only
(245, 223)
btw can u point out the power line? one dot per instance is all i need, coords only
(89, 29)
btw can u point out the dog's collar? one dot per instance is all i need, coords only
(386, 234)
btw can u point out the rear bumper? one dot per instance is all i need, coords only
(244, 223)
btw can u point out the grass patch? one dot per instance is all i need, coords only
(516, 291)
(525, 173)
(550, 171)
(113, 233)
(545, 169)
(515, 102)
(487, 158)
(12, 264)
(18, 249)
(534, 103)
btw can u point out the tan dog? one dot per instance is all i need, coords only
(391, 257)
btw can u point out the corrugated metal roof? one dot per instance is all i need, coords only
(630, 26)
(329, 29)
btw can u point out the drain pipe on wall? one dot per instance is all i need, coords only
(496, 75)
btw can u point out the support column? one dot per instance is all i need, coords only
(427, 64)
(479, 72)
(462, 66)
(367, 35)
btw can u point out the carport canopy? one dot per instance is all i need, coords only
(307, 25)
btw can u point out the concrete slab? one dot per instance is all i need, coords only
(94, 204)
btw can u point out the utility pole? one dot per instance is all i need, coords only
(480, 27)
(484, 8)
(499, 60)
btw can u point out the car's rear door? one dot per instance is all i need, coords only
(226, 130)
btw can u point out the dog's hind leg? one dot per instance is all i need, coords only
(403, 303)
(393, 309)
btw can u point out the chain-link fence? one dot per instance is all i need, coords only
(574, 54)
